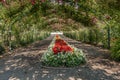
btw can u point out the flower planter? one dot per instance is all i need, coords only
(61, 54)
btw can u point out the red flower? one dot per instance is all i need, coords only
(61, 46)
(33, 2)
(3, 1)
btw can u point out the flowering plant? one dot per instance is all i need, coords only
(60, 53)
(61, 46)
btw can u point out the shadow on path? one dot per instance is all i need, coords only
(25, 65)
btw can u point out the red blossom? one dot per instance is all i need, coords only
(61, 46)
(33, 2)
(3, 1)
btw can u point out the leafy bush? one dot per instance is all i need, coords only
(93, 36)
(63, 59)
(76, 15)
(116, 51)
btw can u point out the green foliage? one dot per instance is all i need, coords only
(13, 11)
(63, 59)
(44, 7)
(21, 24)
(76, 15)
(116, 51)
(93, 36)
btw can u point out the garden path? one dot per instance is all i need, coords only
(24, 64)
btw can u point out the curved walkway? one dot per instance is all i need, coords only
(25, 64)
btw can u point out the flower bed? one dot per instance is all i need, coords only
(60, 53)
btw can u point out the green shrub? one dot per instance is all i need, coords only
(63, 59)
(94, 36)
(116, 51)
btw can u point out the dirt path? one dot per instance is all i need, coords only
(99, 64)
(25, 64)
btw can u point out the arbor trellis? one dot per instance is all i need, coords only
(19, 15)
